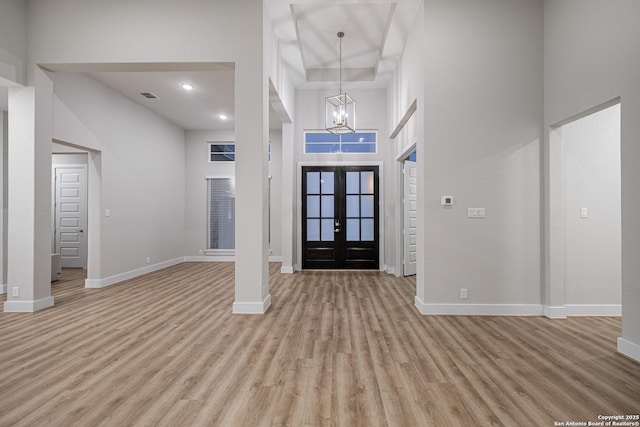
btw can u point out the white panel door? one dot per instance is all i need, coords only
(71, 216)
(410, 218)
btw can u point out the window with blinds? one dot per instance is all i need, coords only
(221, 213)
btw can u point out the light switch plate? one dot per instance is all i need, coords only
(475, 213)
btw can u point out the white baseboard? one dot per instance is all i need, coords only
(563, 311)
(252, 307)
(107, 281)
(479, 309)
(223, 258)
(27, 306)
(594, 309)
(555, 311)
(210, 258)
(390, 270)
(3, 289)
(286, 269)
(629, 349)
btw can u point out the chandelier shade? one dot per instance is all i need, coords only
(340, 109)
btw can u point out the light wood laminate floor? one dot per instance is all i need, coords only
(335, 348)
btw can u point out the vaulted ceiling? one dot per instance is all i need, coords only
(375, 34)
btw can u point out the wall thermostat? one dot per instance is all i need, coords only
(446, 201)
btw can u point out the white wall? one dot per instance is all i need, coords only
(13, 41)
(591, 57)
(407, 86)
(482, 114)
(371, 113)
(68, 159)
(203, 33)
(197, 168)
(143, 171)
(592, 246)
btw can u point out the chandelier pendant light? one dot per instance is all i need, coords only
(340, 109)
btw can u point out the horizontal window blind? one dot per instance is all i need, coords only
(222, 213)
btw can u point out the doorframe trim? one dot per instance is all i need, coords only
(381, 202)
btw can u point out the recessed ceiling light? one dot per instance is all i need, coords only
(223, 117)
(186, 86)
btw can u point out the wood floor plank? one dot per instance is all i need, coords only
(335, 349)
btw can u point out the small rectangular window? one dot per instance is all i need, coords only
(326, 142)
(222, 152)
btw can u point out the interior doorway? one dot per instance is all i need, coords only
(66, 154)
(340, 217)
(585, 175)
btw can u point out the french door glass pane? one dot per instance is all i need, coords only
(353, 182)
(313, 206)
(327, 183)
(353, 206)
(366, 206)
(353, 229)
(327, 230)
(367, 230)
(313, 230)
(327, 207)
(313, 182)
(366, 187)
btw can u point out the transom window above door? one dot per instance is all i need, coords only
(328, 143)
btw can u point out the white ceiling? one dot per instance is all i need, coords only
(197, 109)
(375, 33)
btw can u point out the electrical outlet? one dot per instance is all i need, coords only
(15, 291)
(463, 293)
(148, 260)
(201, 251)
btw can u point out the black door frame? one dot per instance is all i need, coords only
(341, 254)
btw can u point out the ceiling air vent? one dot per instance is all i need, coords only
(149, 95)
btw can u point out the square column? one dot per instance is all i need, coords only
(29, 201)
(252, 191)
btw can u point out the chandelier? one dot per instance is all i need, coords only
(340, 109)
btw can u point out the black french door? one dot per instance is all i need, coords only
(340, 225)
